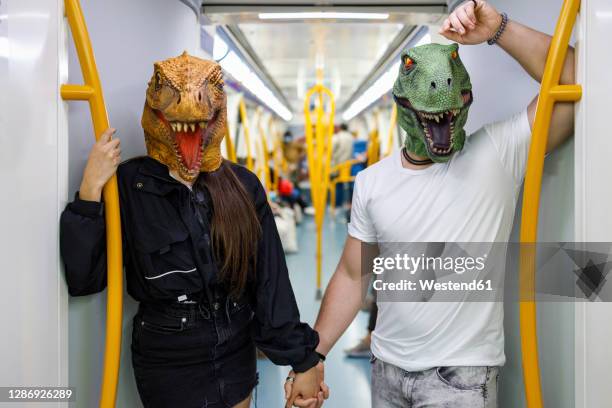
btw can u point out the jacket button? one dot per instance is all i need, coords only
(216, 305)
(139, 185)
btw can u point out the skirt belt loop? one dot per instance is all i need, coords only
(204, 311)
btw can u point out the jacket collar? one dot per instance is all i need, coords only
(154, 177)
(153, 168)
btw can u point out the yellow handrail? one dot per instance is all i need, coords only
(392, 123)
(247, 135)
(319, 162)
(550, 93)
(229, 146)
(91, 92)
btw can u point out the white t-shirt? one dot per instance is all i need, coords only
(471, 198)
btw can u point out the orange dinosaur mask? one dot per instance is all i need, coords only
(185, 116)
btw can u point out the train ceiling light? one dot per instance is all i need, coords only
(323, 15)
(234, 65)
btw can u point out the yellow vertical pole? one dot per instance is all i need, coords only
(392, 124)
(318, 147)
(277, 154)
(550, 93)
(374, 144)
(247, 135)
(91, 91)
(265, 157)
(229, 146)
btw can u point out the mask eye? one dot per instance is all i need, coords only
(454, 54)
(158, 81)
(408, 63)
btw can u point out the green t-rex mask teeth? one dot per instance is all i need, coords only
(433, 93)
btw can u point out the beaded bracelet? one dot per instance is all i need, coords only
(500, 31)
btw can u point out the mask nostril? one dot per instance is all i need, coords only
(178, 100)
(199, 96)
(433, 85)
(449, 81)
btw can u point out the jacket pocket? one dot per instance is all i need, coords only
(169, 266)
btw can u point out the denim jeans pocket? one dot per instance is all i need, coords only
(160, 323)
(464, 377)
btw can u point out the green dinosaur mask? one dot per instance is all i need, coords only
(433, 93)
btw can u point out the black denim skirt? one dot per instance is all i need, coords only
(193, 355)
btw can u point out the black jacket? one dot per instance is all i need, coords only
(167, 254)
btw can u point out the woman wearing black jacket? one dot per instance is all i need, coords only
(205, 262)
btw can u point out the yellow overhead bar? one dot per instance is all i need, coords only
(550, 93)
(319, 149)
(91, 92)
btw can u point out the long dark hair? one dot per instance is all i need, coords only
(235, 227)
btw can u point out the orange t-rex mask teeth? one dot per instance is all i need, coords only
(184, 117)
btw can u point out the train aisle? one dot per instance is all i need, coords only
(345, 392)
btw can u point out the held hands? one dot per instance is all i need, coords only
(471, 24)
(307, 389)
(104, 158)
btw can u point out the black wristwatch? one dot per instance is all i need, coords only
(321, 356)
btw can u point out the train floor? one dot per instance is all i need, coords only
(349, 379)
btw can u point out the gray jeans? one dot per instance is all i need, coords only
(456, 387)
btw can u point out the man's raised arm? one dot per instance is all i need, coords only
(471, 24)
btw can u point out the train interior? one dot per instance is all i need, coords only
(273, 55)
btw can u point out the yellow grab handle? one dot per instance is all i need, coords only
(92, 93)
(550, 92)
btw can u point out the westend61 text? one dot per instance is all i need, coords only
(431, 284)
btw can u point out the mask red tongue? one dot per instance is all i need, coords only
(189, 146)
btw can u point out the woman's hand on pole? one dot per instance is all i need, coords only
(104, 158)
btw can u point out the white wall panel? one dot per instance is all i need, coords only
(593, 196)
(33, 300)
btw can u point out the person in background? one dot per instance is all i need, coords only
(342, 146)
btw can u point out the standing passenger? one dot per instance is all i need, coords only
(201, 250)
(442, 187)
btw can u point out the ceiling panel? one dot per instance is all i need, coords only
(347, 52)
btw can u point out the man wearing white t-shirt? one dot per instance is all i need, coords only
(442, 354)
